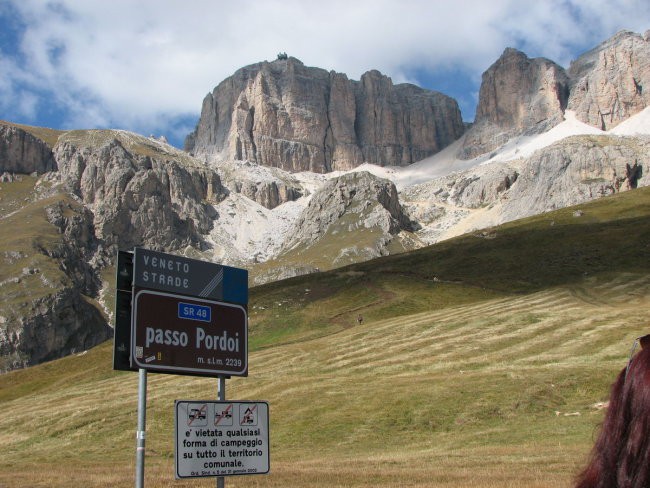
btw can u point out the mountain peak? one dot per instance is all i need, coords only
(300, 118)
(608, 81)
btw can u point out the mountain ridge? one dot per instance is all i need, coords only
(136, 191)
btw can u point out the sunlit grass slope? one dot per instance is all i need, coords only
(31, 248)
(479, 362)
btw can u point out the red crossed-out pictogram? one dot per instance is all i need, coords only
(246, 419)
(222, 415)
(197, 414)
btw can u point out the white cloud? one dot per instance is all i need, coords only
(135, 64)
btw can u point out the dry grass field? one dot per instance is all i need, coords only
(504, 392)
(480, 363)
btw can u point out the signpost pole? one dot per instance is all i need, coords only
(221, 396)
(140, 434)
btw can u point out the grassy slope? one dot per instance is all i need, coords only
(478, 363)
(27, 273)
(49, 136)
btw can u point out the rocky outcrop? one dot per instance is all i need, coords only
(576, 170)
(269, 194)
(47, 312)
(59, 324)
(518, 96)
(21, 152)
(478, 187)
(138, 199)
(612, 82)
(572, 171)
(269, 187)
(77, 248)
(365, 200)
(298, 118)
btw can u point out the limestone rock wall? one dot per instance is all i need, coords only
(364, 199)
(139, 200)
(612, 82)
(518, 95)
(267, 186)
(60, 324)
(576, 170)
(47, 311)
(21, 152)
(298, 118)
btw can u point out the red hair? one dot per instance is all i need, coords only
(621, 455)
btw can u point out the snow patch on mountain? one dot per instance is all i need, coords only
(447, 161)
(634, 126)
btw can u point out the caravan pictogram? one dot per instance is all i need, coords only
(248, 414)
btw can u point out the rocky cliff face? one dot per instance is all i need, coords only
(139, 199)
(518, 96)
(112, 190)
(58, 325)
(569, 172)
(21, 152)
(267, 186)
(576, 170)
(298, 118)
(47, 285)
(352, 201)
(612, 82)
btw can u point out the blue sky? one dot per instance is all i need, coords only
(146, 65)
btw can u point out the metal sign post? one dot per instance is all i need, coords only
(221, 396)
(140, 433)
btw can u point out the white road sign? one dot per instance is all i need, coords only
(221, 438)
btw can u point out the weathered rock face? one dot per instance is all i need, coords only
(269, 187)
(612, 82)
(128, 191)
(572, 171)
(298, 118)
(367, 200)
(60, 324)
(65, 321)
(21, 152)
(576, 170)
(47, 312)
(518, 95)
(139, 200)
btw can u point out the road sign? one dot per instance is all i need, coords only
(183, 276)
(183, 335)
(221, 438)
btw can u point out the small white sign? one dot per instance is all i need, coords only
(221, 438)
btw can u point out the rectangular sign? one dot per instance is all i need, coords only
(221, 438)
(183, 276)
(191, 311)
(213, 342)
